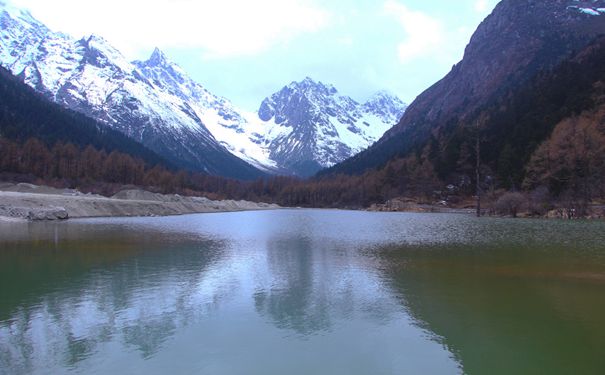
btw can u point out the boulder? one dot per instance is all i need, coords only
(52, 213)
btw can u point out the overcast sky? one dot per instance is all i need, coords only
(247, 49)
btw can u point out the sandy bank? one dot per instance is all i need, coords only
(25, 201)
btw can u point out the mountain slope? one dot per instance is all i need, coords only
(304, 127)
(525, 121)
(25, 113)
(91, 77)
(519, 40)
(320, 127)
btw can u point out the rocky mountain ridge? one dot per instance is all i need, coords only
(324, 127)
(156, 103)
(518, 41)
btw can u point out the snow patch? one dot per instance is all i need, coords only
(590, 11)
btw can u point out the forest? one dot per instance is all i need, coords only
(24, 113)
(542, 144)
(93, 170)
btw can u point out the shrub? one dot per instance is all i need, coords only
(510, 203)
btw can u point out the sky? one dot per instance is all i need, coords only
(246, 50)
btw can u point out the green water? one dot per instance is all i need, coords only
(302, 292)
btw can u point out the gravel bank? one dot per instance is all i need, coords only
(31, 202)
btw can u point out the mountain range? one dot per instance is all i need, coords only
(317, 127)
(304, 127)
(523, 109)
(25, 114)
(517, 43)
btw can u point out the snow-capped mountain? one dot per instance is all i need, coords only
(321, 128)
(302, 128)
(153, 101)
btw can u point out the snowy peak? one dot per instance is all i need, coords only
(157, 58)
(100, 53)
(324, 99)
(303, 98)
(296, 98)
(386, 106)
(168, 75)
(320, 127)
(305, 126)
(160, 62)
(382, 98)
(309, 87)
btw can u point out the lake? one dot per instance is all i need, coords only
(303, 292)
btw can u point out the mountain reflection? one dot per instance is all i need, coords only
(304, 292)
(314, 284)
(292, 301)
(72, 297)
(506, 305)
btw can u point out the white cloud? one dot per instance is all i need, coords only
(481, 6)
(441, 40)
(424, 34)
(485, 7)
(221, 28)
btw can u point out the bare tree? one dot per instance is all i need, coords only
(510, 203)
(479, 126)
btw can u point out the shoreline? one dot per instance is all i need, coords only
(25, 202)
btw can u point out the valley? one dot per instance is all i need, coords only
(309, 221)
(305, 127)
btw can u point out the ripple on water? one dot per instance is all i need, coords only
(302, 291)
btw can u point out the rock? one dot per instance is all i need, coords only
(52, 213)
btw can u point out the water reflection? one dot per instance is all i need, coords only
(292, 301)
(311, 285)
(302, 292)
(71, 295)
(506, 305)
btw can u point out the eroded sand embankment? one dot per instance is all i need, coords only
(26, 201)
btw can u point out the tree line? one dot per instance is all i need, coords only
(69, 165)
(24, 114)
(568, 166)
(90, 169)
(546, 139)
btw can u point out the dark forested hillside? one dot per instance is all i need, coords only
(24, 114)
(546, 135)
(153, 102)
(518, 121)
(518, 41)
(538, 126)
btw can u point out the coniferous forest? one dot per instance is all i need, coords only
(218, 214)
(545, 139)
